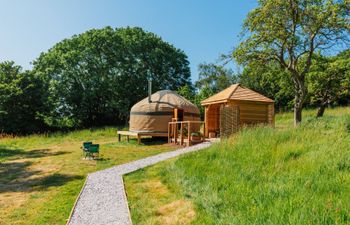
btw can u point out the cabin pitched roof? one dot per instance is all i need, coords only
(236, 92)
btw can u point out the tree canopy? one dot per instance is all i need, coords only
(96, 77)
(271, 81)
(329, 80)
(289, 33)
(23, 98)
(215, 77)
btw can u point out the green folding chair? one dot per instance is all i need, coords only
(94, 150)
(86, 145)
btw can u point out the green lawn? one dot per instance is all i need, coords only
(285, 175)
(42, 175)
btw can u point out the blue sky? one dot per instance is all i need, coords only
(203, 29)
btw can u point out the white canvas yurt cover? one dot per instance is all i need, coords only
(153, 117)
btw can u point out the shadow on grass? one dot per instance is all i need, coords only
(20, 153)
(15, 177)
(155, 141)
(145, 141)
(100, 159)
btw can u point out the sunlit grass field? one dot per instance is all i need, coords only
(42, 175)
(262, 175)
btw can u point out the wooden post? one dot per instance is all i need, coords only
(173, 132)
(119, 137)
(138, 139)
(271, 115)
(206, 119)
(169, 125)
(182, 135)
(203, 131)
(189, 134)
(176, 133)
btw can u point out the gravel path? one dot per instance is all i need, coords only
(103, 200)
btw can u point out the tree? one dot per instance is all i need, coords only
(187, 92)
(97, 76)
(271, 81)
(23, 99)
(215, 77)
(204, 93)
(289, 32)
(329, 80)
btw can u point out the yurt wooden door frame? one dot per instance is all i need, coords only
(178, 114)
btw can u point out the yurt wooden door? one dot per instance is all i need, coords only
(179, 114)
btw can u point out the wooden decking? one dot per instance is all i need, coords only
(183, 136)
(139, 135)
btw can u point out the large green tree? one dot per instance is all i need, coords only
(289, 32)
(23, 98)
(214, 76)
(329, 80)
(270, 80)
(98, 75)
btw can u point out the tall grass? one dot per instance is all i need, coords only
(268, 176)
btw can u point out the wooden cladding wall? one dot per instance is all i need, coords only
(271, 114)
(229, 120)
(252, 112)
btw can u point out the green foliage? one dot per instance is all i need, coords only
(187, 92)
(271, 81)
(289, 32)
(263, 176)
(329, 79)
(204, 92)
(281, 30)
(215, 77)
(96, 77)
(23, 98)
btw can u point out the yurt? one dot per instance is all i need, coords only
(152, 114)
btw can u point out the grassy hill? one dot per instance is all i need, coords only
(285, 175)
(42, 175)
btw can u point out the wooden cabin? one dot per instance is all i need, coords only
(233, 107)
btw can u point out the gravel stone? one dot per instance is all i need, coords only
(103, 199)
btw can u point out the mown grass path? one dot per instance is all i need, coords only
(42, 175)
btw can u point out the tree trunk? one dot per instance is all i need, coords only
(300, 93)
(321, 110)
(297, 114)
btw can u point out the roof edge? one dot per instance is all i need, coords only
(205, 102)
(227, 98)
